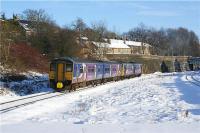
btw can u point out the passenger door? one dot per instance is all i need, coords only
(60, 72)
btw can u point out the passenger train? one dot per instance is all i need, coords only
(67, 73)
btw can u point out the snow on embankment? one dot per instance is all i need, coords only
(16, 85)
(197, 76)
(151, 98)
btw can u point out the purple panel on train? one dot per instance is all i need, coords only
(129, 69)
(114, 69)
(90, 72)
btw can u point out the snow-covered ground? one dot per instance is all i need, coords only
(12, 89)
(156, 101)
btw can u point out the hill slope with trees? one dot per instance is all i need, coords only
(20, 51)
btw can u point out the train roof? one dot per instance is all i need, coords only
(79, 60)
(76, 60)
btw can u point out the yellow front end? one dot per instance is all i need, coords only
(68, 76)
(51, 75)
(59, 85)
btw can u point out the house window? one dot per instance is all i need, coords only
(119, 50)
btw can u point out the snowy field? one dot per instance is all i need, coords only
(150, 103)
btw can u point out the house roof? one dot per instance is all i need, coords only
(101, 44)
(25, 24)
(134, 43)
(117, 44)
(84, 38)
(113, 44)
(1, 19)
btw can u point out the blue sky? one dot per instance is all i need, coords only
(119, 16)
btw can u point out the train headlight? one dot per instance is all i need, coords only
(59, 85)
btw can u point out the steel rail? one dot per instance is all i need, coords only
(27, 103)
(28, 97)
(197, 83)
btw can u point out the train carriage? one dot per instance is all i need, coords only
(71, 73)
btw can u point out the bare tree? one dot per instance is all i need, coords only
(38, 19)
(3, 16)
(139, 33)
(79, 26)
(101, 47)
(6, 40)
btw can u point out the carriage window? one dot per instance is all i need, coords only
(114, 69)
(107, 69)
(52, 67)
(90, 70)
(68, 67)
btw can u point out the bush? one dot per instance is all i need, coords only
(23, 57)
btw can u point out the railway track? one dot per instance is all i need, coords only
(192, 79)
(17, 103)
(14, 104)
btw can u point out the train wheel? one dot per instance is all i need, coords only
(74, 88)
(67, 88)
(93, 84)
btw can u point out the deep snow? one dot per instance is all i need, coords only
(16, 89)
(151, 99)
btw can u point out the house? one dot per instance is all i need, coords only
(118, 47)
(139, 47)
(114, 46)
(26, 27)
(86, 49)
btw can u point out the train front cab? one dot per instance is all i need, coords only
(60, 75)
